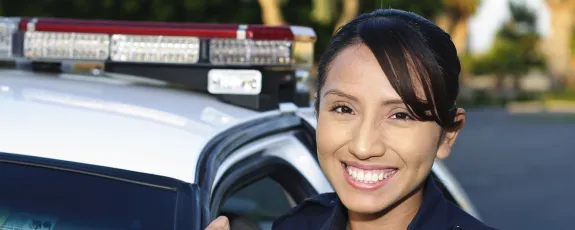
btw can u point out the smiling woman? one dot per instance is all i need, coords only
(379, 86)
(387, 87)
(385, 106)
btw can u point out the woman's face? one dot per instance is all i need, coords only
(373, 152)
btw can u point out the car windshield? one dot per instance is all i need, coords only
(41, 198)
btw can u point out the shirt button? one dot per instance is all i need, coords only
(456, 227)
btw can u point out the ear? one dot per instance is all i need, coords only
(315, 96)
(450, 135)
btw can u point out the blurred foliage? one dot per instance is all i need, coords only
(214, 11)
(429, 9)
(567, 94)
(514, 51)
(461, 7)
(529, 96)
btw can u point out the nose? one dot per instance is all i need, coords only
(367, 141)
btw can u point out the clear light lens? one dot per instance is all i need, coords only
(64, 45)
(303, 54)
(157, 49)
(250, 52)
(245, 82)
(7, 28)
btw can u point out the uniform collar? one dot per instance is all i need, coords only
(428, 215)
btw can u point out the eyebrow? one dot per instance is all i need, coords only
(353, 98)
(340, 93)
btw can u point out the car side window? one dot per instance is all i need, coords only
(257, 205)
(45, 198)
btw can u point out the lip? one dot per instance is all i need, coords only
(367, 167)
(367, 186)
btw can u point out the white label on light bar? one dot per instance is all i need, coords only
(240, 82)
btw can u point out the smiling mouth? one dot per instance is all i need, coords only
(367, 179)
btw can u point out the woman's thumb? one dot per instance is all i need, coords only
(220, 223)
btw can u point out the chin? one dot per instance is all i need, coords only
(366, 205)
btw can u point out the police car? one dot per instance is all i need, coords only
(145, 125)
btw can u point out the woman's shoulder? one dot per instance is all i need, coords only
(460, 219)
(436, 211)
(324, 211)
(312, 213)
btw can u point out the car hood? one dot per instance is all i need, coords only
(139, 128)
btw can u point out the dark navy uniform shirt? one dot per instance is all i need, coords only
(326, 212)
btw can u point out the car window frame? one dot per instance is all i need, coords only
(255, 168)
(229, 141)
(187, 195)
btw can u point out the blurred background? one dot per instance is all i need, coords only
(515, 156)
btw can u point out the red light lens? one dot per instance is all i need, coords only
(135, 28)
(260, 32)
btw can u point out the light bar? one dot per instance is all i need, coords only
(8, 26)
(53, 39)
(155, 49)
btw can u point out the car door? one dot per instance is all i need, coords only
(258, 170)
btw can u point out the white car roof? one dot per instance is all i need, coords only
(109, 122)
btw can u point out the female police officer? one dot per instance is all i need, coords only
(385, 103)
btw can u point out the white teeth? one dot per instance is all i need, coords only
(369, 176)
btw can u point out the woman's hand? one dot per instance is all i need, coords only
(220, 223)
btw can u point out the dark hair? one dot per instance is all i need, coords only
(411, 50)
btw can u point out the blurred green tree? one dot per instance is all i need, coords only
(514, 52)
(208, 11)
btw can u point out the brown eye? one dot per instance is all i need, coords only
(342, 109)
(401, 116)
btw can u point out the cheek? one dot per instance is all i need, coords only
(416, 146)
(331, 134)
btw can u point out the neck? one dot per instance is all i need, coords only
(398, 216)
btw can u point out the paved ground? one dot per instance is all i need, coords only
(519, 171)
